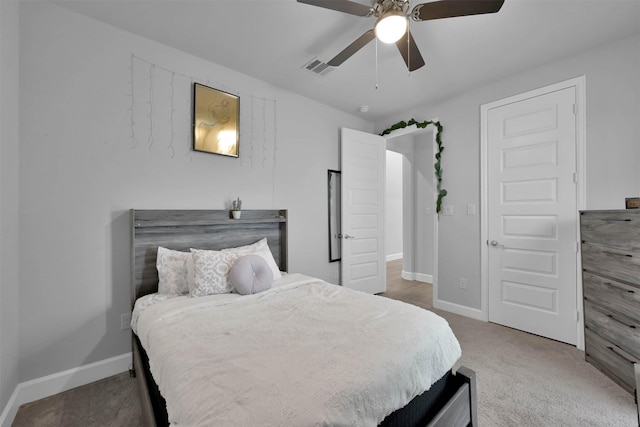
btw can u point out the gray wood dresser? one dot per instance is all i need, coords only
(611, 289)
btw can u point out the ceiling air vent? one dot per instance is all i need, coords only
(318, 67)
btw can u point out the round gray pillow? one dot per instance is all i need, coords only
(251, 274)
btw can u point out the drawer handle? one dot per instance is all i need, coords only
(621, 356)
(622, 323)
(616, 286)
(617, 254)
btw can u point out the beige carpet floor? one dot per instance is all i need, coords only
(522, 380)
(111, 402)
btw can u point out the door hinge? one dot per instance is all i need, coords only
(575, 178)
(574, 109)
(577, 316)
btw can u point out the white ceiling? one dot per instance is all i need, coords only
(272, 40)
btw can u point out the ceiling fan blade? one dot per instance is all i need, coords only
(410, 52)
(345, 6)
(352, 48)
(452, 8)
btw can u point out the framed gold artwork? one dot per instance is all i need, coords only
(632, 202)
(216, 121)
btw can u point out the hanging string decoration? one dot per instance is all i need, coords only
(263, 138)
(132, 106)
(173, 111)
(150, 102)
(160, 109)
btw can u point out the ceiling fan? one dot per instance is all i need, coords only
(392, 25)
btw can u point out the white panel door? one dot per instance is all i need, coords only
(363, 263)
(532, 211)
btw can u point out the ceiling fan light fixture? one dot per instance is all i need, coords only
(391, 26)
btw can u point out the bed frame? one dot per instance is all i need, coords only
(451, 401)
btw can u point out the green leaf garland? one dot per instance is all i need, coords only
(437, 166)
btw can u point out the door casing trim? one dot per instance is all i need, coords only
(580, 86)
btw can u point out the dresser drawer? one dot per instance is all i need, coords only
(617, 229)
(613, 328)
(612, 295)
(612, 262)
(610, 359)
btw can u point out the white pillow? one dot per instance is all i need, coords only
(211, 268)
(173, 271)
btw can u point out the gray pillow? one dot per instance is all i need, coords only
(251, 274)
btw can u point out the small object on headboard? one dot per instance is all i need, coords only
(236, 208)
(632, 202)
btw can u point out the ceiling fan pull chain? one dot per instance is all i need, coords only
(376, 64)
(408, 47)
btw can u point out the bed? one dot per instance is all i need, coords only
(300, 386)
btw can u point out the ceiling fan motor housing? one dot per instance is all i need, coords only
(380, 7)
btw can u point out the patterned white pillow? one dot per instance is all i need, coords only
(173, 271)
(211, 268)
(211, 271)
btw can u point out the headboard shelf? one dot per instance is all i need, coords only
(200, 229)
(166, 218)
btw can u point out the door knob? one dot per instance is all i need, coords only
(494, 243)
(346, 236)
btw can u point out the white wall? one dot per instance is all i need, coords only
(9, 245)
(612, 138)
(424, 177)
(393, 206)
(90, 151)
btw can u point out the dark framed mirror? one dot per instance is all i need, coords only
(333, 186)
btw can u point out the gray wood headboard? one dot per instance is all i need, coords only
(181, 230)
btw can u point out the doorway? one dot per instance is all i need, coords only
(414, 223)
(532, 175)
(363, 262)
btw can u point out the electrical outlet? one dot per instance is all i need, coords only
(447, 210)
(463, 283)
(471, 209)
(427, 210)
(125, 321)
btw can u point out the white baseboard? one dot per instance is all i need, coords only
(426, 278)
(418, 277)
(39, 388)
(462, 310)
(394, 257)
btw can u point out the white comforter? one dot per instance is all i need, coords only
(305, 353)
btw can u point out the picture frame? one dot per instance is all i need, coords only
(632, 203)
(334, 195)
(216, 121)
